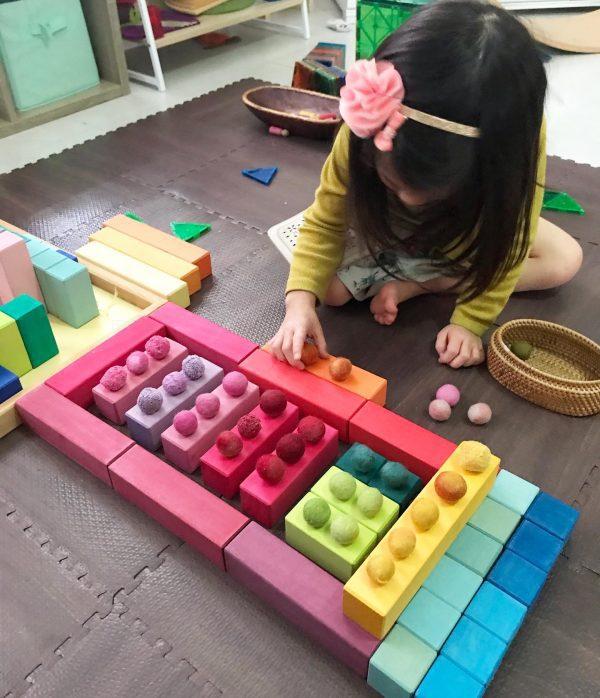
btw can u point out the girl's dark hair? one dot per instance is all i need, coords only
(473, 63)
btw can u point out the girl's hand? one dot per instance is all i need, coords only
(458, 347)
(300, 322)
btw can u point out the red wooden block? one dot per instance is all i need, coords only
(312, 394)
(72, 430)
(181, 505)
(201, 336)
(226, 474)
(299, 590)
(399, 439)
(76, 380)
(268, 502)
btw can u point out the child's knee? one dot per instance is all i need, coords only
(570, 262)
(337, 294)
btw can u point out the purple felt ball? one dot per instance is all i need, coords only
(235, 383)
(174, 383)
(137, 362)
(114, 379)
(185, 422)
(448, 392)
(158, 347)
(479, 413)
(439, 410)
(207, 405)
(193, 367)
(150, 400)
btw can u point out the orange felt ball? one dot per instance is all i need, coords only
(340, 368)
(310, 354)
(450, 486)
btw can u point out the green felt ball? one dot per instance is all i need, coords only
(394, 475)
(522, 349)
(342, 485)
(344, 530)
(370, 501)
(316, 512)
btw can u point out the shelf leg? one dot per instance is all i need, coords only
(305, 19)
(158, 80)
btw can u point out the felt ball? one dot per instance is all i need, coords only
(193, 367)
(114, 379)
(290, 448)
(249, 425)
(207, 405)
(185, 422)
(150, 400)
(310, 354)
(340, 368)
(450, 486)
(363, 458)
(370, 501)
(522, 349)
(473, 456)
(158, 347)
(273, 402)
(439, 410)
(381, 568)
(394, 474)
(235, 383)
(229, 444)
(316, 512)
(342, 485)
(270, 467)
(137, 362)
(344, 530)
(424, 512)
(448, 392)
(479, 413)
(174, 383)
(311, 429)
(402, 542)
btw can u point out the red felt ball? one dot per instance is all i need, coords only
(290, 448)
(229, 444)
(249, 425)
(311, 429)
(273, 402)
(270, 468)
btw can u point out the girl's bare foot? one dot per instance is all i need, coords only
(384, 305)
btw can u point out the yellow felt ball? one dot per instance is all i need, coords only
(380, 568)
(424, 513)
(402, 542)
(473, 456)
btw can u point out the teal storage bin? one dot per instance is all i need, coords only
(46, 51)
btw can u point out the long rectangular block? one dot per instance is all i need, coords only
(42, 262)
(16, 270)
(453, 583)
(517, 577)
(225, 475)
(398, 439)
(9, 384)
(13, 354)
(361, 382)
(71, 292)
(114, 405)
(397, 483)
(181, 505)
(447, 680)
(34, 327)
(72, 430)
(300, 591)
(536, 545)
(429, 618)
(185, 451)
(497, 612)
(475, 550)
(514, 492)
(495, 520)
(361, 462)
(551, 514)
(376, 607)
(314, 396)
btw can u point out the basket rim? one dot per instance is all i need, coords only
(308, 120)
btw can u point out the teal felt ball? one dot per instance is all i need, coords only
(344, 530)
(363, 458)
(394, 475)
(342, 485)
(370, 501)
(316, 512)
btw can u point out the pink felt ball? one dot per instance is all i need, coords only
(185, 422)
(137, 362)
(174, 383)
(229, 444)
(249, 426)
(479, 413)
(439, 410)
(114, 379)
(448, 392)
(208, 405)
(273, 402)
(270, 467)
(158, 347)
(290, 448)
(235, 383)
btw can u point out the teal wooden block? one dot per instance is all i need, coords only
(399, 664)
(73, 293)
(361, 462)
(497, 612)
(393, 480)
(36, 333)
(447, 680)
(453, 583)
(514, 492)
(35, 246)
(42, 263)
(429, 618)
(475, 550)
(495, 520)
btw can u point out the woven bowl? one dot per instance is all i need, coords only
(562, 374)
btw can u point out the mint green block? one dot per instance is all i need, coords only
(514, 492)
(72, 291)
(36, 333)
(453, 583)
(429, 618)
(475, 550)
(399, 664)
(495, 520)
(42, 263)
(35, 246)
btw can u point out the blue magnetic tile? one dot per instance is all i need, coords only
(9, 384)
(453, 583)
(68, 255)
(497, 612)
(514, 492)
(535, 545)
(397, 483)
(447, 680)
(517, 577)
(264, 175)
(429, 618)
(553, 515)
(361, 462)
(475, 550)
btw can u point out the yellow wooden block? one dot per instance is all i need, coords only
(377, 607)
(143, 275)
(148, 254)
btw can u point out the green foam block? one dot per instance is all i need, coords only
(34, 327)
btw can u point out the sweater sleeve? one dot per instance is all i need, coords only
(322, 236)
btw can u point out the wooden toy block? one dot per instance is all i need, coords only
(143, 275)
(143, 252)
(514, 492)
(453, 583)
(314, 396)
(384, 481)
(361, 462)
(398, 439)
(9, 384)
(68, 255)
(162, 241)
(77, 380)
(447, 680)
(497, 612)
(399, 664)
(360, 382)
(126, 289)
(495, 520)
(536, 545)
(319, 545)
(475, 650)
(300, 591)
(34, 327)
(376, 607)
(42, 263)
(35, 246)
(72, 430)
(13, 354)
(71, 292)
(475, 550)
(225, 475)
(146, 429)
(16, 270)
(552, 515)
(268, 502)
(517, 577)
(204, 337)
(379, 524)
(181, 505)
(114, 405)
(185, 451)
(429, 618)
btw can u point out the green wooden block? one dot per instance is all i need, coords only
(42, 263)
(35, 246)
(475, 550)
(73, 293)
(379, 524)
(13, 355)
(514, 492)
(318, 545)
(429, 618)
(392, 474)
(361, 462)
(34, 327)
(495, 520)
(453, 583)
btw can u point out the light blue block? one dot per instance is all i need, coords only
(447, 680)
(429, 618)
(42, 263)
(514, 492)
(495, 520)
(361, 462)
(72, 291)
(497, 612)
(35, 246)
(453, 583)
(475, 550)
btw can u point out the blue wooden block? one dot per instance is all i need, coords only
(517, 577)
(72, 292)
(535, 545)
(475, 550)
(453, 583)
(495, 520)
(497, 612)
(514, 492)
(447, 680)
(552, 515)
(361, 462)
(9, 384)
(429, 618)
(68, 255)
(475, 650)
(397, 483)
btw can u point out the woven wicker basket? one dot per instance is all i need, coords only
(562, 374)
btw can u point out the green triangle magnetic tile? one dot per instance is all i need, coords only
(561, 201)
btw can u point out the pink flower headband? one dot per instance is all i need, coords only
(371, 105)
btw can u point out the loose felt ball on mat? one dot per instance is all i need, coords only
(448, 392)
(316, 512)
(370, 501)
(290, 448)
(270, 467)
(249, 425)
(114, 379)
(402, 542)
(273, 402)
(342, 485)
(310, 354)
(450, 486)
(424, 512)
(439, 410)
(235, 384)
(185, 422)
(340, 368)
(311, 429)
(473, 456)
(174, 383)
(363, 458)
(208, 405)
(193, 367)
(157, 347)
(521, 348)
(344, 530)
(137, 362)
(394, 474)
(229, 444)
(380, 568)
(150, 400)
(479, 413)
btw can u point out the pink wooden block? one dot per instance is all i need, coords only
(204, 337)
(16, 270)
(268, 502)
(181, 505)
(299, 590)
(226, 474)
(77, 380)
(72, 430)
(185, 451)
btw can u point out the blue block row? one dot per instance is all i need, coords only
(517, 577)
(497, 612)
(535, 545)
(446, 680)
(9, 384)
(551, 514)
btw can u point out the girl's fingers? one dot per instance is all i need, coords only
(462, 358)
(441, 342)
(319, 338)
(297, 344)
(452, 350)
(286, 348)
(275, 346)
